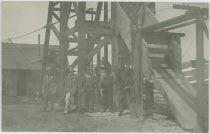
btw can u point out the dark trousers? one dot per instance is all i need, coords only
(49, 98)
(89, 100)
(108, 97)
(123, 103)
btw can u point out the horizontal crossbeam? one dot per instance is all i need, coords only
(170, 22)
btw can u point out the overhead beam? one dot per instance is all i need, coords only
(178, 26)
(170, 22)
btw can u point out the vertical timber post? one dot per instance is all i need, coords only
(201, 93)
(63, 46)
(138, 83)
(115, 53)
(47, 40)
(81, 58)
(136, 60)
(106, 20)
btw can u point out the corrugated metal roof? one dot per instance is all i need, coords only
(22, 56)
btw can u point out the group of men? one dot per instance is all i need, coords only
(90, 88)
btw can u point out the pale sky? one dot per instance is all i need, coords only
(19, 18)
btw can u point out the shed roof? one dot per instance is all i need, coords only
(22, 56)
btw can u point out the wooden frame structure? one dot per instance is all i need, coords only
(133, 32)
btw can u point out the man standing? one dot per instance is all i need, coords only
(70, 90)
(124, 84)
(89, 88)
(107, 86)
(49, 89)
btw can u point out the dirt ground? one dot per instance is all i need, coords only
(29, 117)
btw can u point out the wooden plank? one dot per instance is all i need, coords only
(123, 24)
(180, 102)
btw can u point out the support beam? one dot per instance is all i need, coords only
(56, 16)
(63, 45)
(81, 56)
(202, 93)
(47, 40)
(138, 81)
(55, 31)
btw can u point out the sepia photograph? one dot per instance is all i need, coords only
(105, 66)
